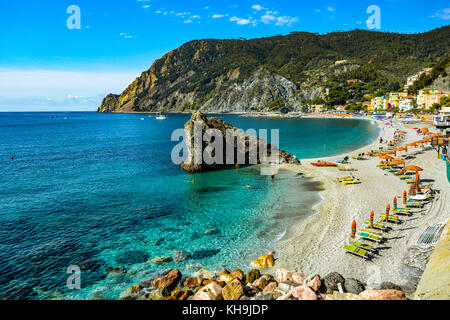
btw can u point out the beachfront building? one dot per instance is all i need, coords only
(406, 104)
(423, 96)
(379, 103)
(434, 98)
(395, 98)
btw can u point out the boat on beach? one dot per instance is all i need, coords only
(321, 163)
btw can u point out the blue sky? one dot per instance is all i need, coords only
(46, 66)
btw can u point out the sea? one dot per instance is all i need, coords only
(98, 197)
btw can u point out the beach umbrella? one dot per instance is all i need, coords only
(417, 181)
(395, 205)
(353, 229)
(412, 190)
(388, 208)
(413, 168)
(396, 162)
(404, 196)
(371, 220)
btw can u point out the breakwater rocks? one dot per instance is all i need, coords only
(281, 284)
(243, 146)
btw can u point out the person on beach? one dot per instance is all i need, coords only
(273, 175)
(381, 140)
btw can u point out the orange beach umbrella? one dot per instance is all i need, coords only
(388, 208)
(413, 168)
(371, 220)
(395, 205)
(353, 235)
(404, 196)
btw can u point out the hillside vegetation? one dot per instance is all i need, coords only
(257, 74)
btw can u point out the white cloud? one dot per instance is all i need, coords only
(187, 21)
(331, 9)
(240, 21)
(218, 16)
(443, 14)
(268, 18)
(146, 6)
(127, 36)
(257, 7)
(285, 20)
(196, 16)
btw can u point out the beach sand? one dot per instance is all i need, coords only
(315, 245)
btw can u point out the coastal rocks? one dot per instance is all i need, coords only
(192, 282)
(161, 260)
(195, 163)
(169, 281)
(342, 296)
(263, 281)
(233, 290)
(282, 274)
(237, 274)
(205, 274)
(303, 293)
(389, 294)
(131, 293)
(148, 282)
(314, 283)
(330, 282)
(211, 291)
(180, 256)
(158, 294)
(252, 275)
(353, 286)
(264, 262)
(286, 286)
(270, 288)
(298, 278)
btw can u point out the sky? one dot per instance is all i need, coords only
(52, 59)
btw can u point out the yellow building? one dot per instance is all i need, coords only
(379, 103)
(395, 98)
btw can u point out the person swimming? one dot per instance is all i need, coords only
(191, 181)
(248, 186)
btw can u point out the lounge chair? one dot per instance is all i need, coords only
(377, 224)
(369, 236)
(392, 218)
(363, 246)
(356, 251)
(344, 168)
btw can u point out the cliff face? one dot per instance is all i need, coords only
(264, 74)
(207, 123)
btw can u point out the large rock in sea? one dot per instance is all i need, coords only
(195, 161)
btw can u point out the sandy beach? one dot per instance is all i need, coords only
(315, 246)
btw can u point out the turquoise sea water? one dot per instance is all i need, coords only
(97, 190)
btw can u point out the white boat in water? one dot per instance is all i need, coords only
(160, 117)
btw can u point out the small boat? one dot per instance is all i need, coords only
(160, 117)
(321, 163)
(142, 119)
